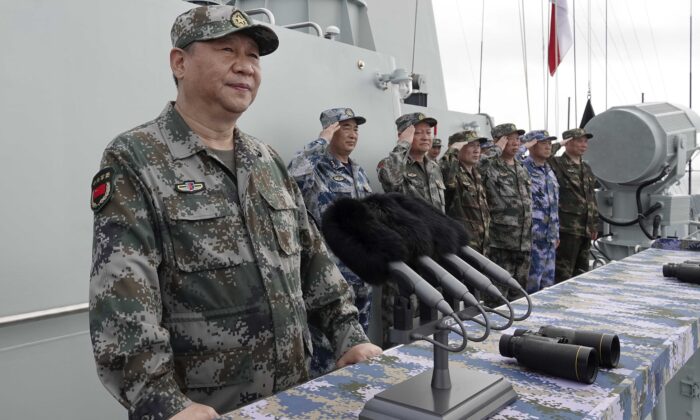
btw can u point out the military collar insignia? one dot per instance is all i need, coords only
(338, 178)
(102, 189)
(238, 20)
(411, 174)
(189, 187)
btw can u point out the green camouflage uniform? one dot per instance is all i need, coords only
(203, 280)
(465, 196)
(399, 172)
(578, 211)
(509, 198)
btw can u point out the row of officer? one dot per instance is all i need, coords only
(497, 191)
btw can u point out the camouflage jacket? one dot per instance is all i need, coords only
(399, 172)
(508, 195)
(193, 297)
(323, 179)
(545, 201)
(465, 199)
(578, 209)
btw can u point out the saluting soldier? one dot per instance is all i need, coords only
(465, 196)
(206, 271)
(407, 169)
(325, 172)
(507, 185)
(545, 210)
(435, 150)
(578, 209)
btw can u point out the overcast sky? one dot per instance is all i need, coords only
(648, 51)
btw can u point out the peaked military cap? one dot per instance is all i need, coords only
(437, 143)
(334, 115)
(407, 120)
(574, 133)
(206, 23)
(466, 136)
(539, 135)
(505, 129)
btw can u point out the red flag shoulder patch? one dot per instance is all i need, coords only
(102, 189)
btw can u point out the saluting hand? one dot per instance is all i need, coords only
(458, 145)
(328, 132)
(407, 134)
(530, 143)
(501, 142)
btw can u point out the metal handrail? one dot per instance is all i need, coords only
(44, 314)
(262, 11)
(313, 25)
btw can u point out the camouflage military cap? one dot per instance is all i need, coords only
(407, 120)
(466, 136)
(213, 22)
(539, 135)
(334, 115)
(574, 133)
(437, 143)
(505, 129)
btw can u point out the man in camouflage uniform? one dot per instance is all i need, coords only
(205, 267)
(434, 151)
(407, 169)
(578, 209)
(325, 173)
(507, 186)
(545, 210)
(465, 197)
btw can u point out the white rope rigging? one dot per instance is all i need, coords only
(523, 43)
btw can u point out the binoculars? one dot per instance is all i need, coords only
(688, 271)
(562, 352)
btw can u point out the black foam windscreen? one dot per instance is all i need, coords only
(448, 234)
(415, 234)
(361, 241)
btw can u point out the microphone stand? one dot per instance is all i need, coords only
(439, 393)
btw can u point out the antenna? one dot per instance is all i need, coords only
(415, 29)
(573, 4)
(481, 53)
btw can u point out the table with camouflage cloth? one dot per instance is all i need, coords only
(655, 318)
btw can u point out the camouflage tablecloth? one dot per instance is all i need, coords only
(655, 318)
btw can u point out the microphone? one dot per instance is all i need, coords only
(488, 267)
(421, 242)
(448, 236)
(373, 251)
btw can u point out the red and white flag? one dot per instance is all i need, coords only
(560, 38)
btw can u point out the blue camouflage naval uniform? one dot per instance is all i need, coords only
(204, 281)
(323, 179)
(545, 225)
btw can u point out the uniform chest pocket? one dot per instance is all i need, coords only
(207, 233)
(283, 215)
(507, 187)
(415, 179)
(470, 196)
(341, 190)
